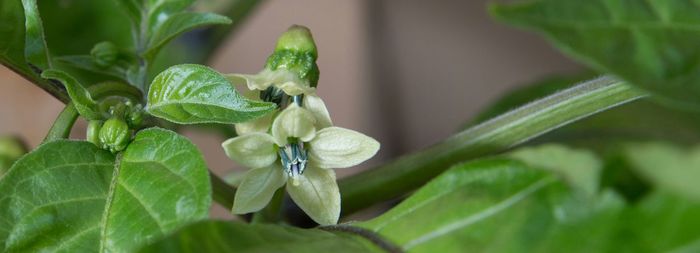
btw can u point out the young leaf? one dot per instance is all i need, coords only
(70, 196)
(189, 94)
(668, 167)
(80, 96)
(222, 236)
(494, 205)
(35, 49)
(580, 168)
(178, 24)
(652, 44)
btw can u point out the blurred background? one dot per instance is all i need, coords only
(406, 72)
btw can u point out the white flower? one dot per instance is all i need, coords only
(303, 148)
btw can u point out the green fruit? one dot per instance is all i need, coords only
(115, 135)
(105, 53)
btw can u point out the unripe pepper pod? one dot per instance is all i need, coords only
(105, 54)
(115, 135)
(93, 132)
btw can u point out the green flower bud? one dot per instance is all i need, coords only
(105, 53)
(296, 52)
(93, 132)
(135, 116)
(115, 135)
(299, 39)
(11, 149)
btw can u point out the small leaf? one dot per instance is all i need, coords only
(35, 49)
(580, 168)
(651, 44)
(317, 194)
(189, 94)
(178, 24)
(70, 196)
(86, 62)
(83, 102)
(669, 167)
(257, 188)
(223, 236)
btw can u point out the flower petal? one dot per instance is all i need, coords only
(295, 87)
(293, 121)
(258, 81)
(318, 195)
(252, 150)
(261, 125)
(336, 147)
(257, 188)
(315, 105)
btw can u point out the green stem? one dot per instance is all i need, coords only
(496, 135)
(63, 124)
(222, 192)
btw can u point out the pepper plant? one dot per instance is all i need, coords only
(603, 161)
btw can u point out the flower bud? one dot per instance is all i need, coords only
(296, 52)
(93, 132)
(115, 135)
(105, 54)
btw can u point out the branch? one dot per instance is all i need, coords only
(496, 135)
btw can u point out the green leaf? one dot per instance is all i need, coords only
(80, 96)
(580, 168)
(70, 196)
(189, 94)
(86, 62)
(35, 49)
(496, 205)
(178, 24)
(221, 236)
(652, 44)
(12, 32)
(669, 167)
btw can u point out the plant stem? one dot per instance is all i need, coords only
(496, 135)
(63, 124)
(222, 192)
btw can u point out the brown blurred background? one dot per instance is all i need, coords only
(407, 72)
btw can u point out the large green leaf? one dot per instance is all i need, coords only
(221, 236)
(70, 196)
(497, 205)
(178, 24)
(189, 94)
(652, 44)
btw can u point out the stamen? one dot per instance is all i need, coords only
(294, 158)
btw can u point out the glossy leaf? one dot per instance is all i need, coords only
(222, 236)
(495, 205)
(178, 24)
(652, 44)
(80, 96)
(70, 196)
(189, 94)
(35, 49)
(669, 167)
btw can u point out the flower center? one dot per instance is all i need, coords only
(294, 158)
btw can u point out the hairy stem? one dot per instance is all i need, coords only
(496, 135)
(63, 124)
